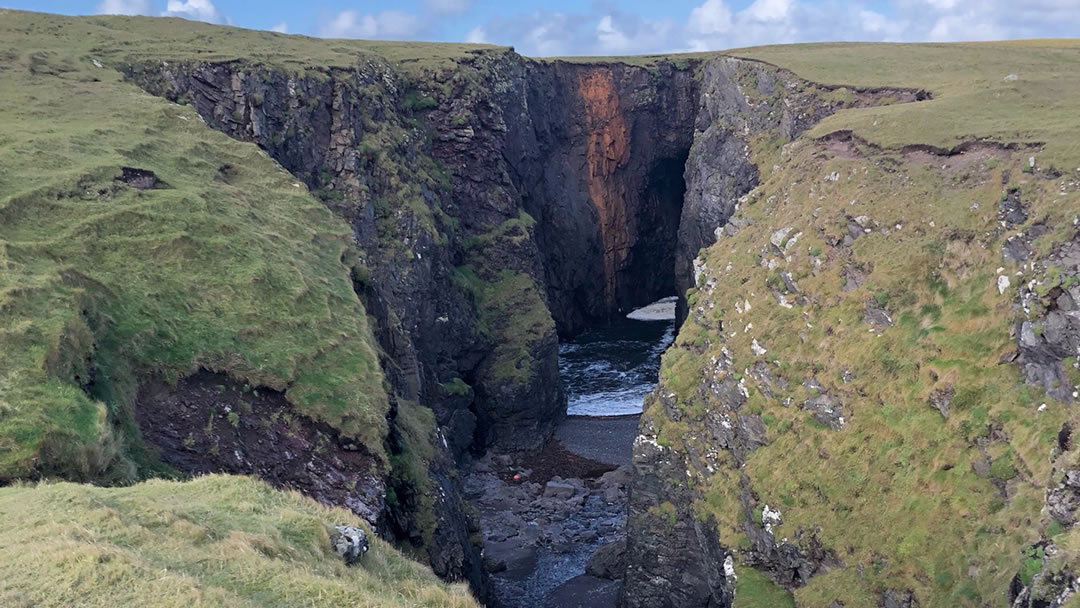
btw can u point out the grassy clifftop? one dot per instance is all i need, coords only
(226, 262)
(122, 38)
(866, 282)
(215, 541)
(1009, 92)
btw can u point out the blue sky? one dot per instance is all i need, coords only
(565, 27)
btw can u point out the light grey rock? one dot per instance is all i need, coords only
(350, 543)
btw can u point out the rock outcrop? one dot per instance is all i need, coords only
(498, 202)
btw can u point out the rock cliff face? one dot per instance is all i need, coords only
(497, 203)
(748, 110)
(600, 165)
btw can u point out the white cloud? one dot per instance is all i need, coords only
(619, 34)
(712, 17)
(281, 28)
(771, 10)
(199, 10)
(386, 25)
(126, 7)
(447, 7)
(477, 35)
(714, 25)
(879, 27)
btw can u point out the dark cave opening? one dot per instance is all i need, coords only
(648, 273)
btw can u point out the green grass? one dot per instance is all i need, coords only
(232, 266)
(214, 541)
(972, 99)
(122, 39)
(898, 480)
(513, 315)
(754, 590)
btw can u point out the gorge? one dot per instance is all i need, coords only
(407, 280)
(503, 203)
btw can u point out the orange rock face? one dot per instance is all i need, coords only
(607, 152)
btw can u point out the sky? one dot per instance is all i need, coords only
(608, 27)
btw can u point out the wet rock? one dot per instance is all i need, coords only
(585, 592)
(613, 495)
(504, 525)
(494, 565)
(350, 543)
(620, 477)
(941, 399)
(559, 489)
(609, 561)
(515, 558)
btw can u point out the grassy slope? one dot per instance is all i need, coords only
(238, 270)
(121, 38)
(894, 492)
(972, 99)
(215, 541)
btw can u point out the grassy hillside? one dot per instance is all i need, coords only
(975, 94)
(227, 264)
(120, 38)
(215, 541)
(907, 498)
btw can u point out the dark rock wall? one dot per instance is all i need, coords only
(599, 162)
(498, 201)
(345, 134)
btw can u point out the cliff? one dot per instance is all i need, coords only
(861, 405)
(345, 267)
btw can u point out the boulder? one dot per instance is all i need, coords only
(557, 488)
(585, 592)
(620, 477)
(609, 561)
(515, 557)
(350, 543)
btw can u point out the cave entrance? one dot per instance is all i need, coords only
(648, 273)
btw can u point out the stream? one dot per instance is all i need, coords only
(544, 518)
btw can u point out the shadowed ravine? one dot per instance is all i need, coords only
(545, 518)
(491, 223)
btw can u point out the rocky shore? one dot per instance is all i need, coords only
(554, 524)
